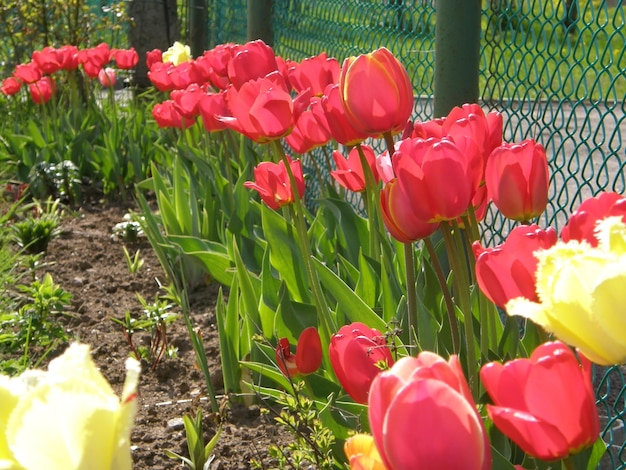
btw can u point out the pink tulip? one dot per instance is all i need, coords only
(48, 60)
(508, 270)
(262, 109)
(273, 184)
(311, 129)
(107, 77)
(376, 92)
(125, 58)
(422, 416)
(434, 177)
(358, 353)
(28, 73)
(349, 172)
(251, 61)
(315, 73)
(166, 115)
(340, 128)
(546, 403)
(210, 106)
(517, 179)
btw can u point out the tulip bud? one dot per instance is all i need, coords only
(376, 92)
(308, 356)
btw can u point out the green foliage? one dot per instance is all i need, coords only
(154, 320)
(39, 227)
(313, 443)
(134, 262)
(28, 25)
(200, 457)
(32, 330)
(57, 181)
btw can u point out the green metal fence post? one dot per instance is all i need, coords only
(457, 54)
(260, 21)
(198, 38)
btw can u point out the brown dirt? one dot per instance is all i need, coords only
(86, 261)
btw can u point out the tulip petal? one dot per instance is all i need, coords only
(419, 408)
(535, 437)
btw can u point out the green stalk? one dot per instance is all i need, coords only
(447, 296)
(323, 312)
(411, 292)
(461, 293)
(371, 206)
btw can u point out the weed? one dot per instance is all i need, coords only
(200, 457)
(41, 225)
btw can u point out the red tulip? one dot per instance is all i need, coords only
(68, 57)
(376, 92)
(508, 270)
(159, 75)
(272, 182)
(517, 179)
(187, 101)
(125, 58)
(340, 128)
(251, 61)
(399, 218)
(308, 356)
(107, 77)
(546, 403)
(10, 86)
(185, 74)
(166, 115)
(422, 416)
(435, 178)
(210, 106)
(261, 109)
(311, 129)
(28, 73)
(154, 56)
(94, 59)
(582, 223)
(358, 354)
(42, 90)
(219, 57)
(315, 72)
(349, 172)
(48, 60)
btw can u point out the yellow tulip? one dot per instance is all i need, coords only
(362, 453)
(68, 417)
(177, 54)
(582, 293)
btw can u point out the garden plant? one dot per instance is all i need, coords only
(366, 312)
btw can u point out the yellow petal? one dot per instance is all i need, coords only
(362, 453)
(611, 235)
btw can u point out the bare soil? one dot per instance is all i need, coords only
(88, 262)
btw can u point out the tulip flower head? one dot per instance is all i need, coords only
(545, 403)
(67, 417)
(42, 90)
(273, 185)
(349, 172)
(308, 356)
(177, 54)
(358, 354)
(125, 58)
(508, 270)
(362, 454)
(11, 86)
(581, 224)
(517, 180)
(581, 294)
(107, 77)
(376, 92)
(422, 416)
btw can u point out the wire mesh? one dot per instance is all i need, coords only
(555, 69)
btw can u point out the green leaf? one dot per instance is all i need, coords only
(285, 254)
(250, 292)
(352, 305)
(214, 256)
(228, 334)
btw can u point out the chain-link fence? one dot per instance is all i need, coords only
(556, 69)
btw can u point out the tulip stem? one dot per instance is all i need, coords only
(411, 292)
(461, 293)
(323, 311)
(371, 207)
(447, 297)
(568, 463)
